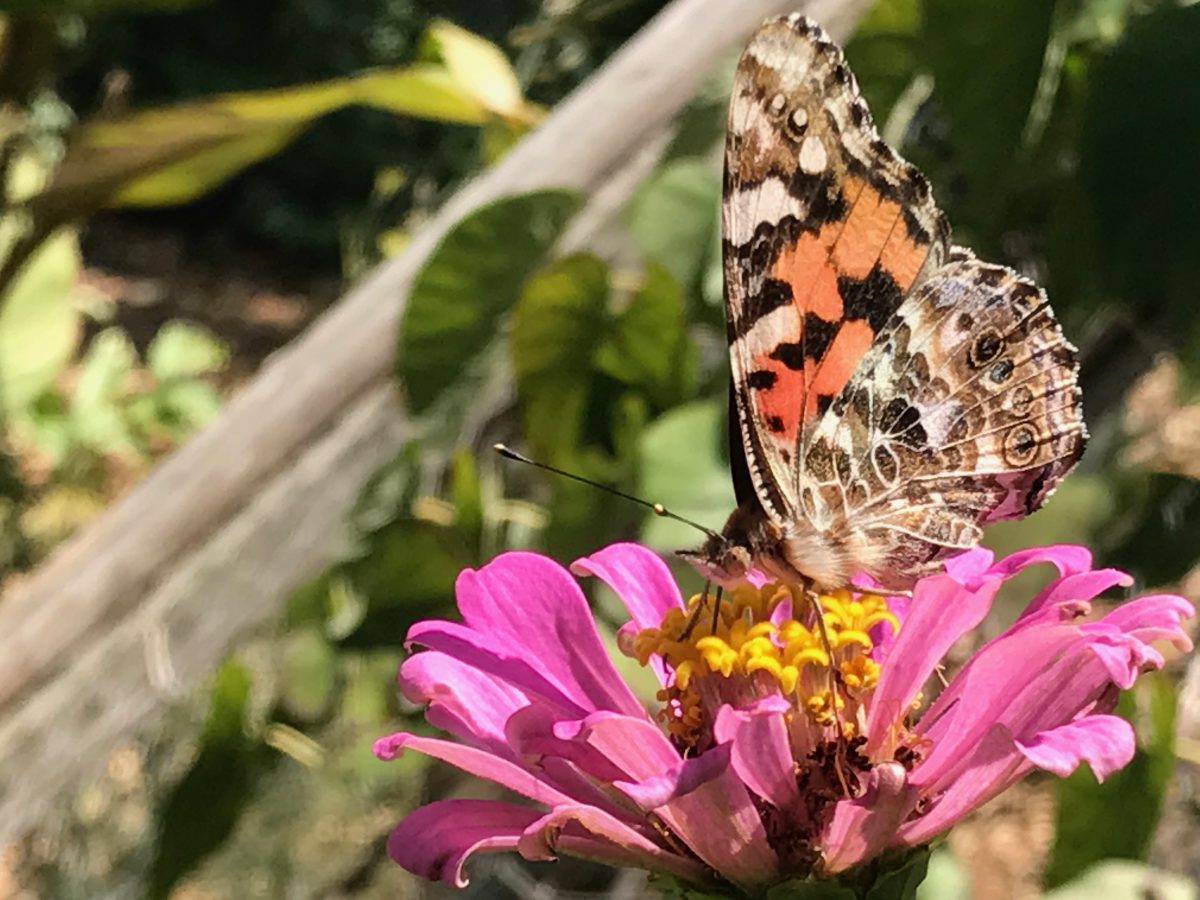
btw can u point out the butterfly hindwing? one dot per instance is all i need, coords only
(826, 230)
(966, 411)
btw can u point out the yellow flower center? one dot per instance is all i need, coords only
(767, 640)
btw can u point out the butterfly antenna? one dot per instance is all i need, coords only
(657, 508)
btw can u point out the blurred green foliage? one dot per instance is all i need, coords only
(1060, 138)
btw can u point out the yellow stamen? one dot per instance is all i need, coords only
(747, 645)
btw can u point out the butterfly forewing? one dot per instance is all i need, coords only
(825, 231)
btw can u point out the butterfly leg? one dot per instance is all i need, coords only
(835, 680)
(717, 609)
(695, 616)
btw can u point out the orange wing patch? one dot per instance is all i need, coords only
(846, 279)
(874, 234)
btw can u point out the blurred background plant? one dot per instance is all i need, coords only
(188, 184)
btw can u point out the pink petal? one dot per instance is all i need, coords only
(1077, 586)
(633, 744)
(684, 777)
(942, 610)
(526, 609)
(984, 691)
(463, 700)
(993, 766)
(601, 837)
(969, 567)
(716, 818)
(1105, 743)
(639, 577)
(474, 762)
(1155, 617)
(762, 752)
(864, 827)
(477, 651)
(1069, 559)
(532, 735)
(1123, 656)
(435, 841)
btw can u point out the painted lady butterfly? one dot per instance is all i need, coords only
(893, 393)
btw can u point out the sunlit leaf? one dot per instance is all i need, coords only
(481, 69)
(97, 419)
(1084, 834)
(174, 154)
(185, 406)
(470, 281)
(181, 349)
(1117, 879)
(674, 214)
(682, 466)
(39, 328)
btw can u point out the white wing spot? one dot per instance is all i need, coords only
(812, 156)
(799, 120)
(769, 202)
(778, 102)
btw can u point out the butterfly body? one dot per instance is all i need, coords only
(891, 393)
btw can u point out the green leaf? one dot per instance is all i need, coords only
(181, 349)
(674, 214)
(649, 347)
(892, 877)
(309, 669)
(946, 878)
(96, 416)
(683, 467)
(406, 568)
(467, 494)
(185, 406)
(469, 282)
(900, 882)
(39, 327)
(173, 154)
(1158, 540)
(370, 689)
(481, 69)
(201, 811)
(811, 890)
(1138, 163)
(987, 60)
(884, 53)
(558, 324)
(1083, 834)
(90, 7)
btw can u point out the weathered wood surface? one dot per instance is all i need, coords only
(140, 607)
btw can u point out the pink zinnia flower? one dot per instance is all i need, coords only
(754, 769)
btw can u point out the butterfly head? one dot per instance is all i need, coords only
(746, 539)
(719, 561)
